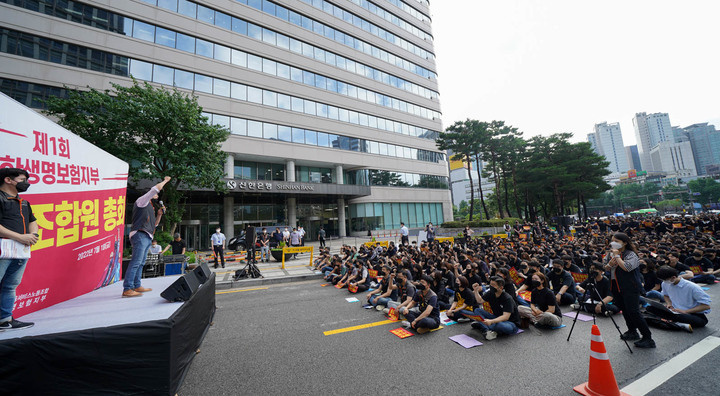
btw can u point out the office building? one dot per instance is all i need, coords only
(333, 106)
(703, 137)
(650, 129)
(631, 152)
(607, 141)
(674, 159)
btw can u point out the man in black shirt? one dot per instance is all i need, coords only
(591, 301)
(178, 245)
(426, 301)
(562, 283)
(19, 226)
(504, 318)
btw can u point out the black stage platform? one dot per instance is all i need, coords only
(102, 344)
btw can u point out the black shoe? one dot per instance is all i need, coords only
(15, 325)
(630, 336)
(645, 343)
(223, 266)
(216, 266)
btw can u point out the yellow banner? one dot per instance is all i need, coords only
(446, 239)
(499, 235)
(373, 244)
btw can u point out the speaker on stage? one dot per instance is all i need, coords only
(182, 289)
(202, 273)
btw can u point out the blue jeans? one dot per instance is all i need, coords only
(522, 301)
(11, 272)
(140, 242)
(265, 253)
(380, 301)
(656, 295)
(507, 327)
(704, 278)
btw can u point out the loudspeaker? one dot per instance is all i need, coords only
(249, 236)
(182, 289)
(202, 273)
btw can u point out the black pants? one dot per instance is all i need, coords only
(428, 322)
(695, 320)
(629, 303)
(404, 240)
(322, 242)
(218, 249)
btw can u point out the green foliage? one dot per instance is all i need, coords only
(163, 238)
(480, 223)
(157, 131)
(708, 188)
(669, 205)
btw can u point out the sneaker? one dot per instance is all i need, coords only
(645, 343)
(422, 330)
(131, 293)
(630, 336)
(575, 307)
(386, 310)
(13, 324)
(607, 313)
(379, 307)
(686, 327)
(405, 324)
(490, 335)
(463, 320)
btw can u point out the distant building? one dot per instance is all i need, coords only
(633, 157)
(702, 138)
(607, 141)
(674, 159)
(651, 129)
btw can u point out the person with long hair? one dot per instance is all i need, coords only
(626, 285)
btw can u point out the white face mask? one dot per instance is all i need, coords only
(615, 245)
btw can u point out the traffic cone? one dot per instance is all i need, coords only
(601, 380)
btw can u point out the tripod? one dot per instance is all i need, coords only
(592, 293)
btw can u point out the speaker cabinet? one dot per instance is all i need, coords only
(202, 273)
(182, 289)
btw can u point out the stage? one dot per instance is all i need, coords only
(101, 343)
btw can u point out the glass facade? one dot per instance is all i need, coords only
(388, 216)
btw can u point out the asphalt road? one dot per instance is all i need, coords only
(271, 342)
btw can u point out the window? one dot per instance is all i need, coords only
(141, 70)
(203, 83)
(185, 43)
(238, 127)
(163, 75)
(255, 95)
(255, 129)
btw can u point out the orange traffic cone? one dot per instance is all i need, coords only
(601, 380)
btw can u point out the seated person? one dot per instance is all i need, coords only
(651, 283)
(504, 318)
(464, 301)
(351, 272)
(387, 291)
(569, 265)
(683, 270)
(562, 283)
(406, 292)
(361, 278)
(428, 317)
(544, 309)
(589, 300)
(697, 259)
(686, 301)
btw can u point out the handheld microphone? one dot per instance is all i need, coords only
(162, 206)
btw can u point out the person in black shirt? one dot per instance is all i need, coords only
(464, 301)
(543, 309)
(504, 318)
(426, 301)
(589, 300)
(706, 267)
(683, 270)
(569, 266)
(562, 283)
(177, 245)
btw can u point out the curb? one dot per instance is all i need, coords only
(265, 281)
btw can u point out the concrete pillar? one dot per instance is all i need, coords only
(229, 217)
(290, 171)
(342, 232)
(230, 167)
(339, 177)
(292, 212)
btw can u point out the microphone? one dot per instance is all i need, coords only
(162, 206)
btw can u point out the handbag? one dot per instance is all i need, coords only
(12, 249)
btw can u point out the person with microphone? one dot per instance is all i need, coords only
(145, 218)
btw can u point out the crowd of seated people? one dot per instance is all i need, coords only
(533, 273)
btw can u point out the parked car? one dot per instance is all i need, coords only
(238, 242)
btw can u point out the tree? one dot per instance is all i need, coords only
(708, 189)
(458, 139)
(157, 131)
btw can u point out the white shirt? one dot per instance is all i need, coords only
(404, 231)
(686, 295)
(217, 238)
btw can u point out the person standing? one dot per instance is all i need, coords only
(626, 283)
(404, 233)
(218, 243)
(17, 223)
(264, 239)
(321, 237)
(467, 235)
(144, 221)
(286, 236)
(430, 233)
(295, 239)
(178, 245)
(301, 231)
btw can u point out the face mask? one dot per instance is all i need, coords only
(593, 274)
(557, 270)
(421, 287)
(492, 290)
(218, 230)
(22, 186)
(615, 245)
(535, 283)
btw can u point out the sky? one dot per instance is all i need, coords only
(563, 66)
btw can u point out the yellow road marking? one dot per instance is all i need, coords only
(353, 328)
(240, 290)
